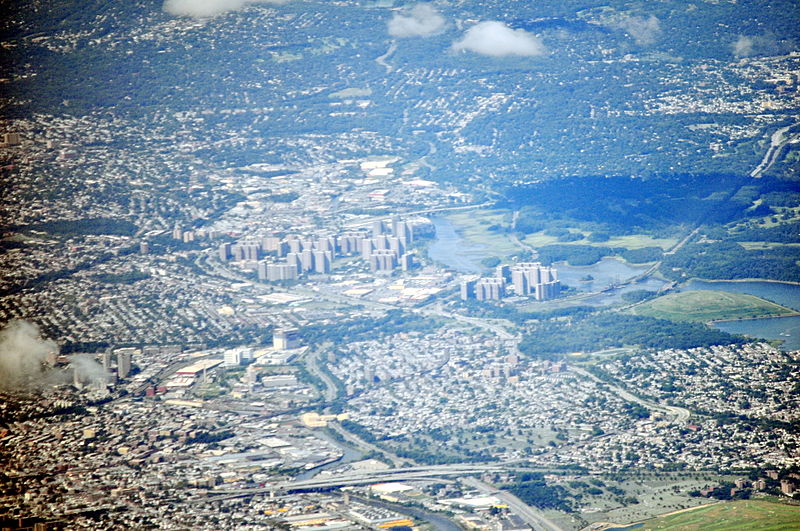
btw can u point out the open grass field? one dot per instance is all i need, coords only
(633, 241)
(638, 241)
(742, 515)
(704, 306)
(474, 226)
(539, 239)
(758, 246)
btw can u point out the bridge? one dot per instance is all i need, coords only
(376, 476)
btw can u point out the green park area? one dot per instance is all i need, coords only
(485, 228)
(744, 515)
(703, 306)
(632, 241)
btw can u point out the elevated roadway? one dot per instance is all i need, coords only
(532, 517)
(378, 476)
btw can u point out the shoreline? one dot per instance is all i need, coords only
(789, 282)
(793, 314)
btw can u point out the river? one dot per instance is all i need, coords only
(451, 250)
(350, 455)
(780, 292)
(605, 273)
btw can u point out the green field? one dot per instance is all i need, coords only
(633, 241)
(474, 225)
(758, 246)
(540, 239)
(744, 515)
(704, 306)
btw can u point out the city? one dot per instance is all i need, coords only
(279, 269)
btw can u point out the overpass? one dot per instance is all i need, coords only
(376, 476)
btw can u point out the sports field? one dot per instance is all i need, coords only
(703, 306)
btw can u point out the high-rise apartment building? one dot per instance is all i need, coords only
(532, 278)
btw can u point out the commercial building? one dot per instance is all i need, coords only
(285, 338)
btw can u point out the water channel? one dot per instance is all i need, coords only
(350, 455)
(606, 274)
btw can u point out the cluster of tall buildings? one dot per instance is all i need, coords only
(384, 247)
(179, 233)
(189, 235)
(124, 358)
(534, 279)
(525, 279)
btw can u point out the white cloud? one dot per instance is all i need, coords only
(209, 8)
(495, 39)
(422, 20)
(23, 355)
(766, 44)
(743, 47)
(644, 31)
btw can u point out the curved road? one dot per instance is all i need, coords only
(777, 141)
(382, 59)
(681, 415)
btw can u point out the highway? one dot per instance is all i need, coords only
(366, 222)
(382, 59)
(437, 521)
(312, 363)
(777, 141)
(379, 476)
(488, 324)
(532, 517)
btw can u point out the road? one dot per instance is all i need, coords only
(512, 235)
(380, 476)
(382, 59)
(777, 141)
(168, 371)
(677, 247)
(492, 325)
(681, 415)
(364, 223)
(532, 517)
(437, 521)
